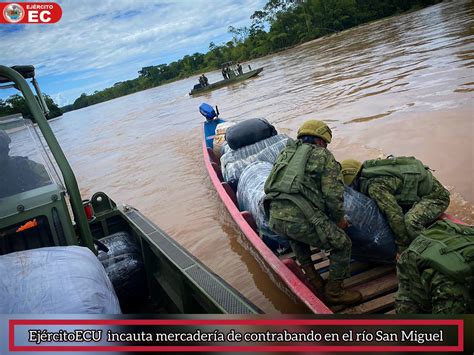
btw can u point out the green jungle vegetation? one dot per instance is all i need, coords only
(279, 25)
(17, 104)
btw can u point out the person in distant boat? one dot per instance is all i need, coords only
(436, 272)
(405, 190)
(212, 120)
(304, 202)
(224, 73)
(231, 73)
(205, 80)
(239, 69)
(250, 68)
(17, 173)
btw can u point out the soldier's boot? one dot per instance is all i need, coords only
(316, 280)
(336, 294)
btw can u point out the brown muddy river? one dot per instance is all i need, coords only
(402, 85)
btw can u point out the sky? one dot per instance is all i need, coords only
(100, 42)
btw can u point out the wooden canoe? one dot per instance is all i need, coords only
(377, 283)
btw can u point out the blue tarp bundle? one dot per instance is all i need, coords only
(372, 238)
(55, 280)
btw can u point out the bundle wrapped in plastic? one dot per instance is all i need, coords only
(55, 280)
(372, 238)
(125, 267)
(269, 154)
(219, 138)
(225, 148)
(233, 170)
(250, 197)
(243, 153)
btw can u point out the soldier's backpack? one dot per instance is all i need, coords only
(448, 248)
(288, 180)
(417, 179)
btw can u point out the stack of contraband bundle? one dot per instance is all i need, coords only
(250, 196)
(55, 280)
(219, 138)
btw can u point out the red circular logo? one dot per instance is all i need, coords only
(13, 13)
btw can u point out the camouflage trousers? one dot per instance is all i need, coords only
(428, 291)
(325, 235)
(427, 210)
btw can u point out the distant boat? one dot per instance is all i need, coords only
(198, 88)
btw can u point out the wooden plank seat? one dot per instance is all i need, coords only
(373, 282)
(368, 275)
(355, 267)
(378, 288)
(375, 305)
(377, 283)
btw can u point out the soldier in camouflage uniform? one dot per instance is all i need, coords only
(17, 173)
(304, 202)
(405, 190)
(436, 272)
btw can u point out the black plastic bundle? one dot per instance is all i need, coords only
(124, 266)
(372, 238)
(248, 132)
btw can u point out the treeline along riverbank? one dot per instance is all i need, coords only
(279, 25)
(17, 104)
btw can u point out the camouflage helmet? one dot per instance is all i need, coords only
(4, 140)
(316, 129)
(349, 169)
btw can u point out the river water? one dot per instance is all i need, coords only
(402, 85)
